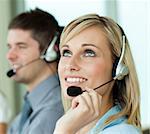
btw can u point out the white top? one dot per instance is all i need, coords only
(4, 110)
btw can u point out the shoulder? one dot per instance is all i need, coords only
(46, 116)
(44, 121)
(48, 107)
(47, 113)
(123, 128)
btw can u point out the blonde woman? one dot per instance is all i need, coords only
(96, 58)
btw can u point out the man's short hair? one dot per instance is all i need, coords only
(41, 24)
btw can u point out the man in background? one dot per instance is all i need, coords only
(33, 54)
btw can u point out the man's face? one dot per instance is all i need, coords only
(23, 49)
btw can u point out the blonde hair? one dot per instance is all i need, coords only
(127, 90)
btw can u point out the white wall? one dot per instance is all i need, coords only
(133, 16)
(67, 10)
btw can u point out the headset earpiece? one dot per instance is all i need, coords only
(115, 67)
(121, 71)
(51, 54)
(119, 68)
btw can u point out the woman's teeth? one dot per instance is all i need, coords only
(75, 80)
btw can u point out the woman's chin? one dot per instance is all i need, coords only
(67, 96)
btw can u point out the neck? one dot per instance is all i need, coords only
(46, 71)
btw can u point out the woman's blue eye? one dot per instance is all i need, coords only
(89, 53)
(66, 53)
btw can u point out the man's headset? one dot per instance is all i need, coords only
(50, 54)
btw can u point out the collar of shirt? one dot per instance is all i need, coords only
(42, 90)
(100, 124)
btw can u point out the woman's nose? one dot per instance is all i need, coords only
(73, 64)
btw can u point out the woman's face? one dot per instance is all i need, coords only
(86, 61)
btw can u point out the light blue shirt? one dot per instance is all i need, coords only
(45, 100)
(118, 126)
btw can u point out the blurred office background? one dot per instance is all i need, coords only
(132, 15)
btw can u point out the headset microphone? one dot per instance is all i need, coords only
(75, 91)
(11, 73)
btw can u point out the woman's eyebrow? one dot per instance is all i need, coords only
(65, 46)
(86, 44)
(83, 45)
